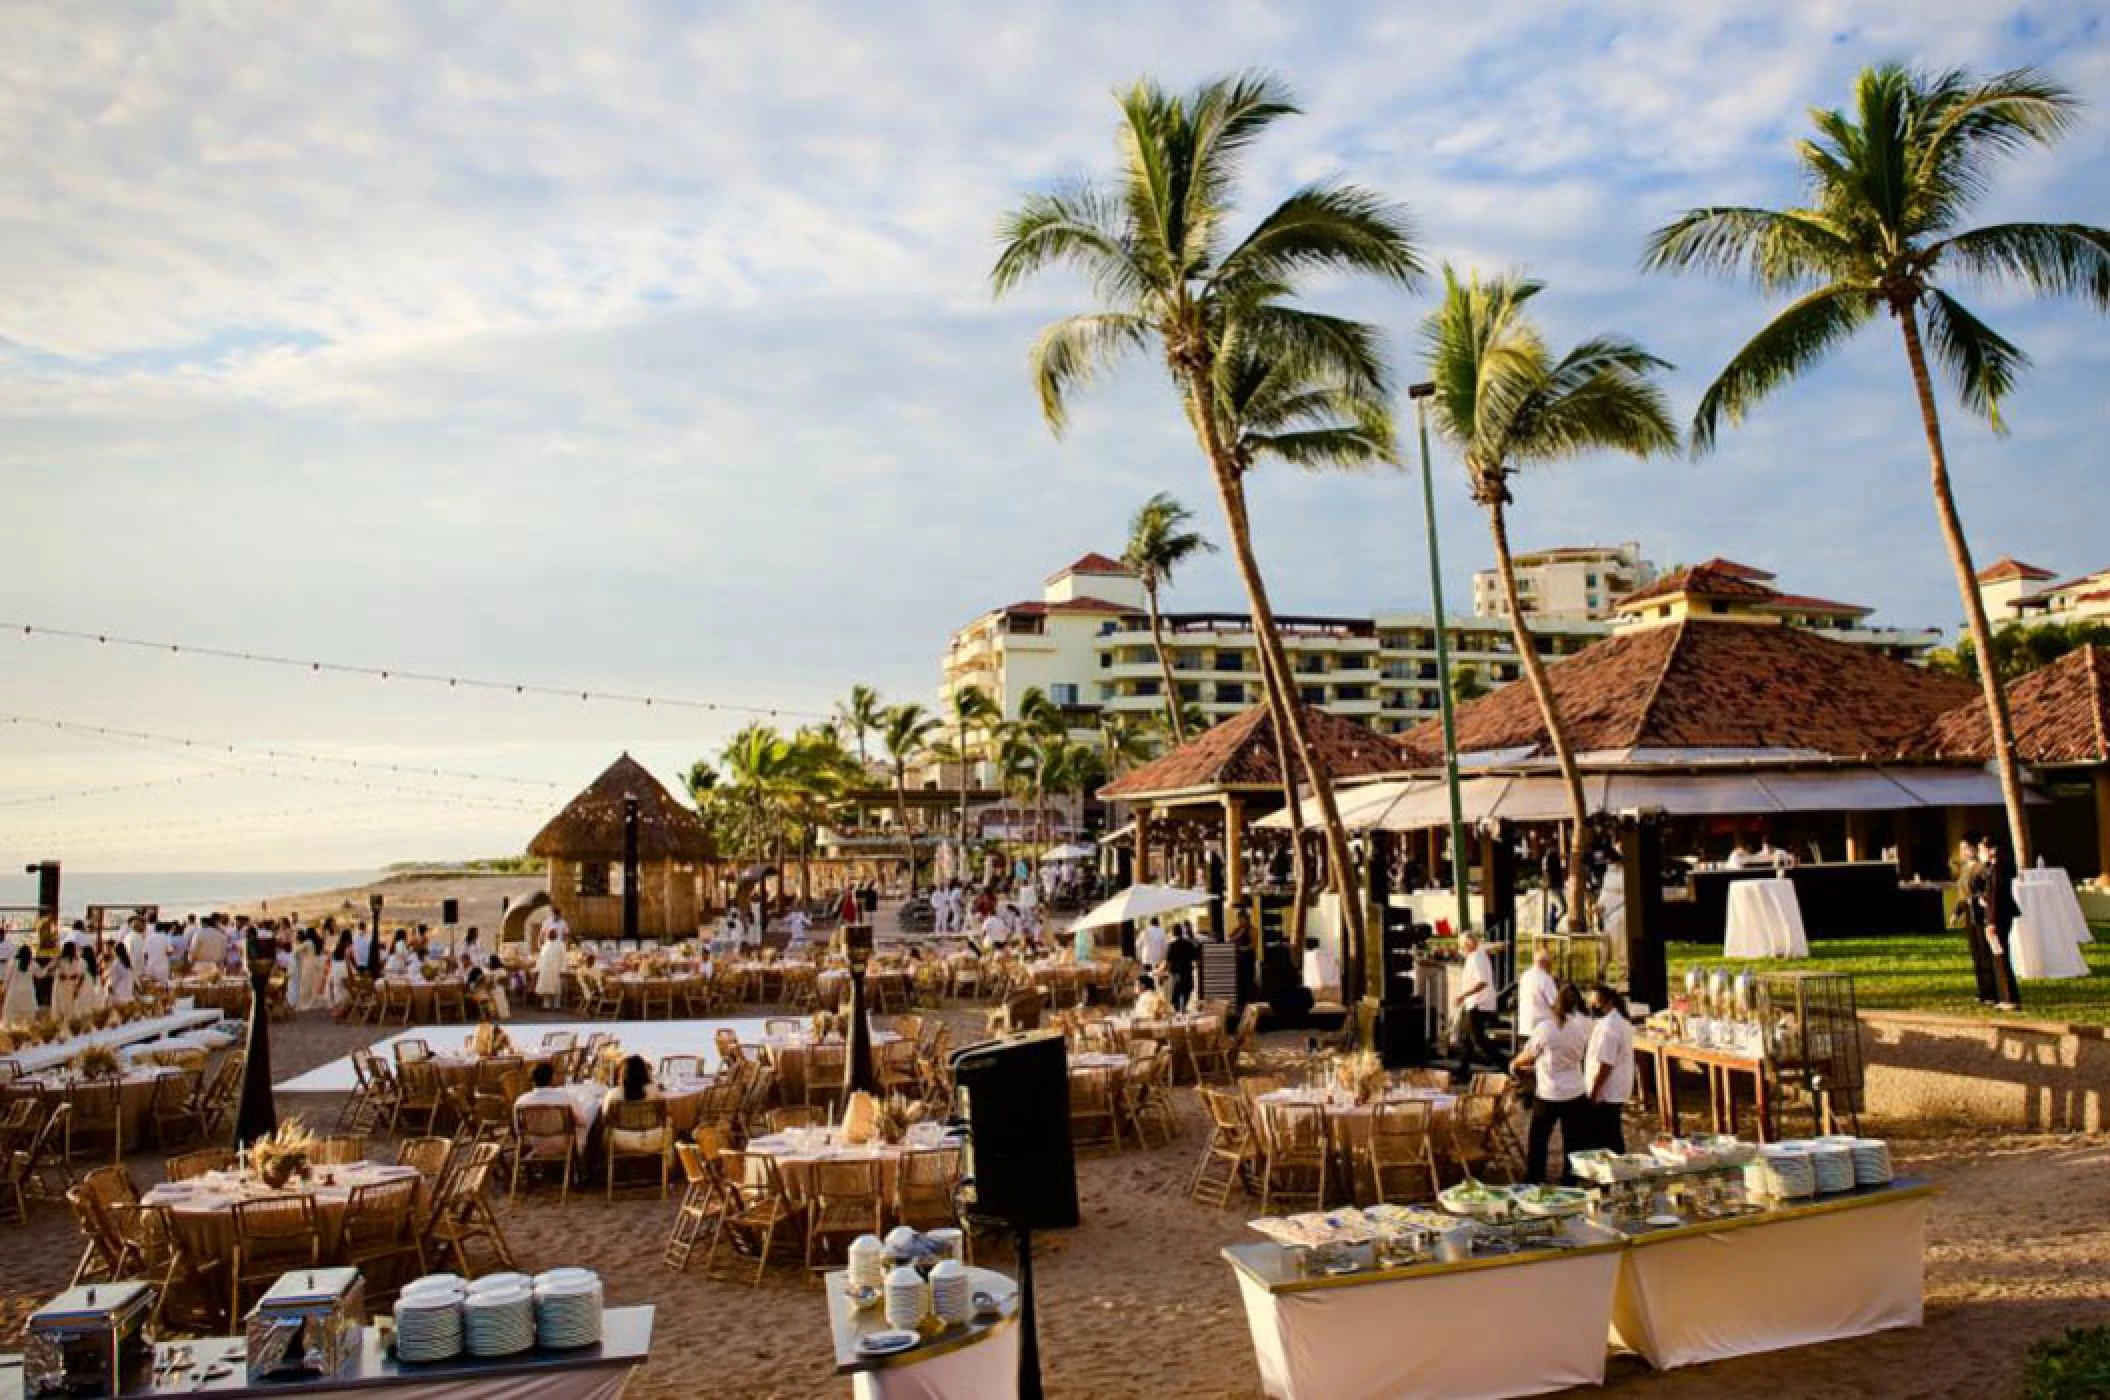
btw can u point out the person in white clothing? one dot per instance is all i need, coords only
(117, 977)
(1608, 1070)
(1554, 1055)
(1473, 1005)
(1536, 992)
(798, 923)
(1150, 948)
(995, 931)
(135, 939)
(160, 952)
(549, 967)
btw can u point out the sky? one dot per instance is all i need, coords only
(649, 348)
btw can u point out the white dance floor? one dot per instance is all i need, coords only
(652, 1039)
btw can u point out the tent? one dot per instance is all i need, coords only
(1139, 902)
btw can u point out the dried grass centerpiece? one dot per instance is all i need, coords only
(490, 1039)
(47, 1027)
(97, 1062)
(283, 1153)
(1362, 1074)
(434, 969)
(827, 1025)
(895, 1117)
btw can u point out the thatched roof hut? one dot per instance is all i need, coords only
(584, 847)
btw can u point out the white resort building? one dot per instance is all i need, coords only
(1573, 584)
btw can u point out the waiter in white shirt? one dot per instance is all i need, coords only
(1473, 1005)
(1608, 1069)
(1151, 949)
(159, 949)
(1536, 992)
(135, 940)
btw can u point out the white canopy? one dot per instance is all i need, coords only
(1069, 852)
(1139, 902)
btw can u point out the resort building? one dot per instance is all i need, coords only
(2025, 595)
(1725, 589)
(1576, 584)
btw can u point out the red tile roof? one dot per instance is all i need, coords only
(1240, 752)
(1711, 683)
(2008, 567)
(1036, 608)
(1717, 578)
(1095, 563)
(1735, 570)
(1802, 603)
(2061, 714)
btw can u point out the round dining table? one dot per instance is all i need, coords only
(208, 1201)
(1350, 1121)
(797, 1151)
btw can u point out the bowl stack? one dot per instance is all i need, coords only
(498, 1316)
(429, 1319)
(907, 1298)
(1871, 1162)
(567, 1308)
(951, 1297)
(1790, 1173)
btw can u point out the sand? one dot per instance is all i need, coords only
(1136, 1303)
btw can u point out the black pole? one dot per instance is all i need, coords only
(47, 873)
(629, 867)
(858, 1072)
(373, 944)
(1028, 1325)
(257, 1115)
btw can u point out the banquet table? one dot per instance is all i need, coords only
(1349, 1121)
(797, 1151)
(1398, 1331)
(40, 1057)
(214, 1196)
(789, 1054)
(1765, 921)
(1838, 1266)
(2045, 940)
(135, 1095)
(976, 1360)
(1722, 1066)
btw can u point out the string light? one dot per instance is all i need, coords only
(201, 828)
(28, 630)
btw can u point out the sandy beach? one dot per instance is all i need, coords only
(407, 898)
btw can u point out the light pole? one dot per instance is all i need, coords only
(1421, 394)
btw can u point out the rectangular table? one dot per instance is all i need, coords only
(1838, 1266)
(976, 1360)
(41, 1057)
(1424, 1329)
(1721, 1067)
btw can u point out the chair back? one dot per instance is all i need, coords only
(428, 1154)
(337, 1150)
(196, 1164)
(411, 1051)
(546, 1129)
(1294, 1129)
(381, 1212)
(277, 1231)
(680, 1067)
(635, 1116)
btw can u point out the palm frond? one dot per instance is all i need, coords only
(1981, 363)
(1068, 352)
(1775, 248)
(2049, 259)
(1318, 347)
(1967, 126)
(1228, 116)
(1331, 449)
(1153, 131)
(1789, 344)
(1079, 225)
(1326, 227)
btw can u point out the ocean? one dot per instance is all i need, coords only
(176, 891)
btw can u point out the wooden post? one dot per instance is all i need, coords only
(1901, 838)
(1234, 862)
(2102, 822)
(1142, 843)
(1857, 836)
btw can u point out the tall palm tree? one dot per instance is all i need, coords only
(1157, 252)
(1888, 183)
(1124, 742)
(906, 730)
(1508, 404)
(1158, 543)
(973, 713)
(860, 714)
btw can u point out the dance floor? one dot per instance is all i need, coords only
(652, 1039)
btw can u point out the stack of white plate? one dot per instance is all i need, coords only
(498, 1320)
(1790, 1170)
(866, 1267)
(567, 1308)
(1871, 1162)
(951, 1297)
(907, 1298)
(1833, 1161)
(429, 1321)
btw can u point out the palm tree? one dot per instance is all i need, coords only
(860, 713)
(973, 712)
(1508, 404)
(1888, 184)
(906, 731)
(1123, 742)
(1467, 684)
(1159, 542)
(1158, 255)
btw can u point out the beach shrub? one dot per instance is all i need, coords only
(2071, 1367)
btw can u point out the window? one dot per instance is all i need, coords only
(593, 877)
(1352, 692)
(1230, 692)
(1190, 691)
(1063, 693)
(1312, 694)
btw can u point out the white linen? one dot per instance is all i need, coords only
(1401, 1336)
(987, 1370)
(1786, 1283)
(2045, 939)
(1765, 921)
(2055, 875)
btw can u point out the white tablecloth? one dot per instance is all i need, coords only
(1765, 921)
(2049, 930)
(987, 1370)
(1402, 1336)
(1687, 1299)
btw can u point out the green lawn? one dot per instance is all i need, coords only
(1927, 974)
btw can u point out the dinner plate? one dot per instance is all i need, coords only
(887, 1343)
(1663, 1222)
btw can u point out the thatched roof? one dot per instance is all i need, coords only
(591, 826)
(2061, 714)
(1701, 684)
(1240, 753)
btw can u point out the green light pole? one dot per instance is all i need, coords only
(1421, 394)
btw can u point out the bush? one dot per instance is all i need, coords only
(2071, 1367)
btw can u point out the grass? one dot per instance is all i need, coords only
(1927, 974)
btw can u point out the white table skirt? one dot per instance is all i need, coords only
(1402, 1336)
(2049, 930)
(1787, 1283)
(2056, 875)
(987, 1370)
(1765, 920)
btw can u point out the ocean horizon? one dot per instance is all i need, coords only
(176, 891)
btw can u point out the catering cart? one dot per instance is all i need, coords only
(974, 1360)
(1793, 1275)
(1407, 1330)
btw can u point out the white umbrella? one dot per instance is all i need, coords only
(1072, 852)
(1139, 902)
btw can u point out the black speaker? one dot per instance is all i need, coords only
(1014, 1094)
(1402, 1034)
(1402, 938)
(450, 911)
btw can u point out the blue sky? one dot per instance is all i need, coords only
(649, 347)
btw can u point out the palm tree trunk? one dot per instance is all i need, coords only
(908, 838)
(1277, 696)
(963, 791)
(1549, 711)
(2002, 725)
(1157, 643)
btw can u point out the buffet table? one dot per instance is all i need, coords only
(1722, 1066)
(597, 1372)
(1764, 921)
(1319, 1336)
(1838, 1266)
(975, 1360)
